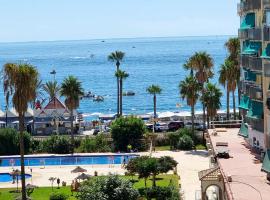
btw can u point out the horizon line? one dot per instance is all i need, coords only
(116, 38)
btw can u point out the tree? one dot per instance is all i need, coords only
(121, 75)
(107, 188)
(233, 46)
(211, 100)
(39, 95)
(127, 131)
(145, 166)
(117, 57)
(189, 90)
(52, 89)
(20, 81)
(227, 78)
(202, 64)
(72, 89)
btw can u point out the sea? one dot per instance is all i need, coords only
(147, 61)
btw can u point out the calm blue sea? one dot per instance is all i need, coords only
(148, 61)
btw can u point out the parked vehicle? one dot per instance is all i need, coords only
(175, 125)
(161, 127)
(197, 126)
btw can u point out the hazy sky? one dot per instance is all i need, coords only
(39, 20)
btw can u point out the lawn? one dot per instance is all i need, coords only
(162, 148)
(43, 193)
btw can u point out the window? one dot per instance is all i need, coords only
(268, 18)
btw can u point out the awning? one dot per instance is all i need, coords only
(244, 130)
(256, 110)
(266, 162)
(251, 48)
(244, 102)
(266, 52)
(248, 21)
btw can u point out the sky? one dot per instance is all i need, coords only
(49, 20)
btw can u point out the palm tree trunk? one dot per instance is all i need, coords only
(204, 115)
(154, 180)
(155, 112)
(121, 96)
(21, 128)
(192, 118)
(228, 104)
(72, 133)
(118, 89)
(208, 121)
(239, 94)
(234, 111)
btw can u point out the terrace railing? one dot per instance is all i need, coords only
(250, 34)
(251, 62)
(226, 124)
(248, 5)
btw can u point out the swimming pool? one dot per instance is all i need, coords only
(6, 177)
(67, 160)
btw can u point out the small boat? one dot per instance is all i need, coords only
(129, 93)
(88, 95)
(98, 98)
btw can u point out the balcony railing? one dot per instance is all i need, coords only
(267, 70)
(250, 34)
(266, 4)
(248, 5)
(254, 92)
(256, 124)
(251, 62)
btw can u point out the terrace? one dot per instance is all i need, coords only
(242, 171)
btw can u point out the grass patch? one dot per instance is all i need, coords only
(200, 147)
(163, 148)
(43, 193)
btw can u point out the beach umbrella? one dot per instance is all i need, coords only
(83, 176)
(78, 170)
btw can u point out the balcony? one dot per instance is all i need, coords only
(250, 34)
(252, 63)
(266, 33)
(254, 92)
(266, 4)
(247, 5)
(267, 70)
(257, 125)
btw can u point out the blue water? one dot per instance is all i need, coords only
(67, 160)
(152, 61)
(6, 177)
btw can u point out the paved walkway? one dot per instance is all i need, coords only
(189, 164)
(248, 181)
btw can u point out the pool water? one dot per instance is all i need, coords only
(67, 160)
(6, 177)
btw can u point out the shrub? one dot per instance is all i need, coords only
(10, 142)
(127, 131)
(57, 144)
(185, 143)
(94, 144)
(107, 188)
(58, 196)
(161, 193)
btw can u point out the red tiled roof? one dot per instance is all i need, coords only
(55, 103)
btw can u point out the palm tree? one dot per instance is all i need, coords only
(189, 90)
(227, 80)
(154, 90)
(117, 57)
(233, 46)
(52, 89)
(211, 100)
(71, 89)
(20, 81)
(121, 75)
(202, 64)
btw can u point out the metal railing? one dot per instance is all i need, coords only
(251, 34)
(251, 62)
(226, 124)
(248, 5)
